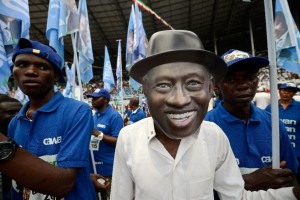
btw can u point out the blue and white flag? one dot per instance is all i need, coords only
(62, 20)
(140, 41)
(71, 85)
(14, 24)
(15, 14)
(5, 71)
(119, 70)
(84, 45)
(130, 40)
(287, 38)
(108, 77)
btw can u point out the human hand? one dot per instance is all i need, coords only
(98, 186)
(266, 178)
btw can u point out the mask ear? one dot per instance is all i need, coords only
(211, 87)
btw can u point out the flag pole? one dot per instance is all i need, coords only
(74, 38)
(273, 84)
(121, 82)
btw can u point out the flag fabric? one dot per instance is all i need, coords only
(14, 24)
(5, 71)
(84, 44)
(136, 41)
(130, 40)
(119, 70)
(70, 86)
(62, 20)
(108, 77)
(287, 38)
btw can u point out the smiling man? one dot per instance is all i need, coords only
(175, 155)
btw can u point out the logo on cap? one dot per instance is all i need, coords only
(236, 54)
(97, 90)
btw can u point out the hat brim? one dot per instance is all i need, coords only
(93, 95)
(258, 62)
(214, 64)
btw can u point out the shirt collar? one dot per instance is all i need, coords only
(50, 106)
(135, 111)
(230, 118)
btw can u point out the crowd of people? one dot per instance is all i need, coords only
(56, 147)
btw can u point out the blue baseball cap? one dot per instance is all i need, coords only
(289, 85)
(25, 46)
(235, 57)
(100, 92)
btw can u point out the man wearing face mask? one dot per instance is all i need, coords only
(175, 155)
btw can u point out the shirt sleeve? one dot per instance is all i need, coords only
(122, 181)
(229, 183)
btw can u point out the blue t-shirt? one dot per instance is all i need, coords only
(109, 122)
(251, 142)
(137, 116)
(291, 119)
(59, 134)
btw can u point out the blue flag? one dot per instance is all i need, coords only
(62, 20)
(14, 24)
(119, 70)
(5, 71)
(140, 41)
(287, 38)
(70, 86)
(108, 77)
(84, 45)
(130, 40)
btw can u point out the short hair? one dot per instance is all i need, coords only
(6, 98)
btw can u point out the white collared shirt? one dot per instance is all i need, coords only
(144, 170)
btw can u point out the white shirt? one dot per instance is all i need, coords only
(262, 99)
(144, 170)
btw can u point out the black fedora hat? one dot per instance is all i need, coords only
(173, 46)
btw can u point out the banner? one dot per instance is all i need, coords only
(62, 20)
(14, 24)
(84, 44)
(71, 85)
(108, 77)
(287, 38)
(137, 41)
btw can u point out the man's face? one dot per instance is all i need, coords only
(286, 94)
(238, 88)
(7, 111)
(178, 95)
(35, 76)
(99, 103)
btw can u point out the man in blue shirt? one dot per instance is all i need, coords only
(107, 125)
(289, 110)
(248, 127)
(51, 127)
(136, 112)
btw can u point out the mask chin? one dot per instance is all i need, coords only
(173, 137)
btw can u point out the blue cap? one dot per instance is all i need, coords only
(235, 57)
(25, 46)
(100, 92)
(289, 85)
